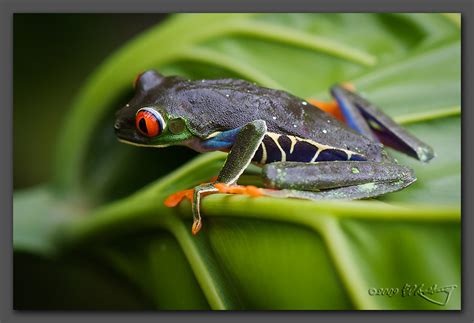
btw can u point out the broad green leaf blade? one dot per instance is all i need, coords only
(37, 215)
(246, 249)
(157, 257)
(266, 253)
(438, 182)
(410, 264)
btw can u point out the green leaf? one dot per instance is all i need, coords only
(264, 253)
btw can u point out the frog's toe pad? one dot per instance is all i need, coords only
(197, 225)
(239, 189)
(176, 198)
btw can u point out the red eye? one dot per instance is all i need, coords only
(148, 123)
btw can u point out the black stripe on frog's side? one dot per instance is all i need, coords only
(357, 157)
(276, 147)
(331, 155)
(272, 149)
(304, 152)
(285, 143)
(257, 158)
(297, 150)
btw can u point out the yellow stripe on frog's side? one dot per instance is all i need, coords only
(284, 153)
(281, 147)
(275, 137)
(264, 154)
(315, 156)
(293, 142)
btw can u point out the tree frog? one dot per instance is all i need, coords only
(304, 152)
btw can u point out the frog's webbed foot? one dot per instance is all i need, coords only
(217, 187)
(195, 195)
(176, 198)
(199, 192)
(249, 190)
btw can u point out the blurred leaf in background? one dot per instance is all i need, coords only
(100, 219)
(54, 54)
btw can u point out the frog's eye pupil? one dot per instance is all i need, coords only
(149, 122)
(142, 125)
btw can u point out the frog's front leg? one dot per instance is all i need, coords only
(243, 149)
(335, 179)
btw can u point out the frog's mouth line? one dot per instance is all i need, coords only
(141, 145)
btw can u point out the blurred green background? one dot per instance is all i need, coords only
(90, 230)
(53, 56)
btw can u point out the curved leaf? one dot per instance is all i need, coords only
(265, 253)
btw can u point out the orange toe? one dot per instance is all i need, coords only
(176, 198)
(348, 86)
(239, 189)
(197, 225)
(330, 107)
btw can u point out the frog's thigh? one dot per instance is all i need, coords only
(336, 179)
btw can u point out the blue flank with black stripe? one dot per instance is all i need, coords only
(296, 150)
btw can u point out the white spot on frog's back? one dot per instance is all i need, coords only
(304, 103)
(325, 131)
(274, 118)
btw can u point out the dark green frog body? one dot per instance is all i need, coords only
(307, 152)
(211, 106)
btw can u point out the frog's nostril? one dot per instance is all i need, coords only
(117, 125)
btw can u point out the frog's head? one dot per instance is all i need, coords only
(146, 119)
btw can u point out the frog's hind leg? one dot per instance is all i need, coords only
(367, 119)
(335, 180)
(332, 107)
